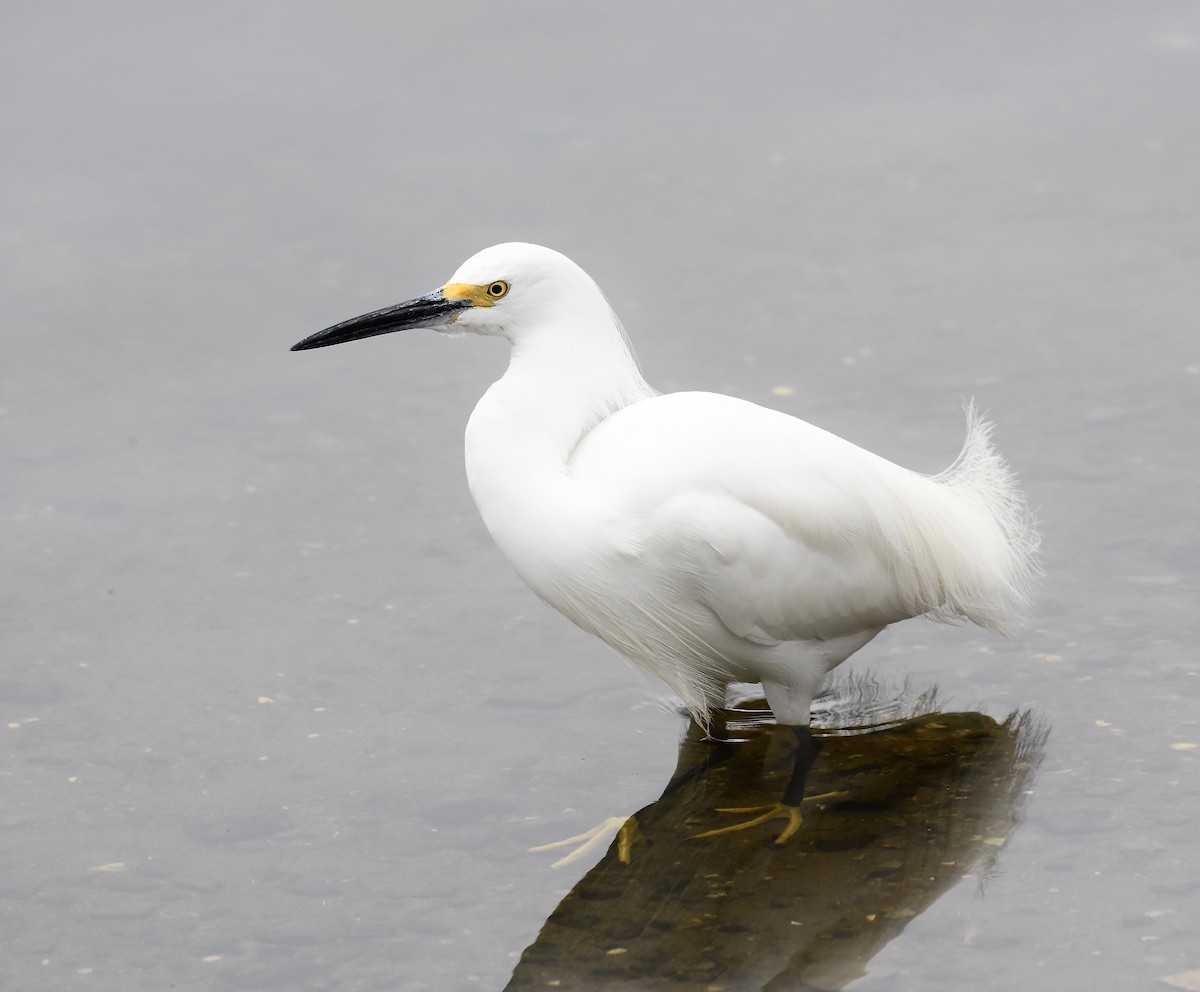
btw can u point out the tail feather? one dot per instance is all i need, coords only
(996, 592)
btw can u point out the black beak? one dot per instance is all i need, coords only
(424, 311)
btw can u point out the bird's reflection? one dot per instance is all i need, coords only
(928, 798)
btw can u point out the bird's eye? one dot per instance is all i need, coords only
(498, 289)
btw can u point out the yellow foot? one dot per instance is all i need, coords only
(627, 835)
(772, 811)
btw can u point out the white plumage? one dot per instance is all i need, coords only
(707, 539)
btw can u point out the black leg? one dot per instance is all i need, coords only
(807, 749)
(788, 809)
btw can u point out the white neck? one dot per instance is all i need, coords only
(567, 373)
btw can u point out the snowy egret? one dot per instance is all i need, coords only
(707, 539)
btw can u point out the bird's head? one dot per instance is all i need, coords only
(501, 290)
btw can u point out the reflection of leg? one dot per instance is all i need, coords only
(627, 835)
(807, 749)
(699, 752)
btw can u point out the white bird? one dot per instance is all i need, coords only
(707, 539)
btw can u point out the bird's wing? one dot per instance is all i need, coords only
(790, 532)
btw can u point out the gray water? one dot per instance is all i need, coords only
(276, 715)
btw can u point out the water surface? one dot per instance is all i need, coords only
(277, 716)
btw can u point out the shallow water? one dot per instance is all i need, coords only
(277, 714)
(896, 816)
